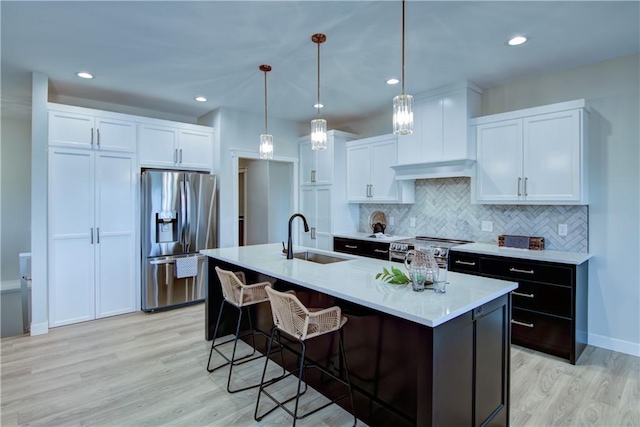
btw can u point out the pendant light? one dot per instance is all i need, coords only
(318, 125)
(403, 104)
(266, 140)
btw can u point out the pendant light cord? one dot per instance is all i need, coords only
(403, 46)
(318, 105)
(265, 103)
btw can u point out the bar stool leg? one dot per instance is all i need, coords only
(300, 374)
(213, 341)
(233, 354)
(343, 359)
(264, 372)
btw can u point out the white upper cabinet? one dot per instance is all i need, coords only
(68, 128)
(533, 156)
(441, 126)
(370, 178)
(316, 166)
(176, 146)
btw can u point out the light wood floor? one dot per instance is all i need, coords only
(149, 369)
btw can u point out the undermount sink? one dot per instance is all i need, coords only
(318, 258)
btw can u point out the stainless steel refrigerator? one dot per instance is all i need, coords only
(178, 220)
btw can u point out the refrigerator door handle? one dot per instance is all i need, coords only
(183, 215)
(189, 214)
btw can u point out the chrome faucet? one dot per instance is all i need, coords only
(306, 230)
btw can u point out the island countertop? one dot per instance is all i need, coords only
(354, 280)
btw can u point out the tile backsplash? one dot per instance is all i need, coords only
(443, 209)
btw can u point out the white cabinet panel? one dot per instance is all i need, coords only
(431, 116)
(358, 173)
(316, 166)
(552, 156)
(315, 205)
(533, 156)
(370, 178)
(308, 208)
(196, 150)
(307, 163)
(92, 217)
(116, 135)
(158, 146)
(457, 108)
(324, 164)
(322, 223)
(67, 129)
(499, 168)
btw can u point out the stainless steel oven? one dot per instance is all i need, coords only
(438, 246)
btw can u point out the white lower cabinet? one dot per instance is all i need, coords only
(533, 156)
(315, 205)
(92, 257)
(370, 178)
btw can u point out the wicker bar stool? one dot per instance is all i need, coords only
(238, 294)
(300, 324)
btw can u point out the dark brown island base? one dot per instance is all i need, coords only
(407, 365)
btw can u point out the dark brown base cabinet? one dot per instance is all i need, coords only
(378, 250)
(550, 305)
(403, 373)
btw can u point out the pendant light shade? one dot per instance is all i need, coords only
(403, 104)
(266, 140)
(318, 125)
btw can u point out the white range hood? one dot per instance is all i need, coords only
(441, 169)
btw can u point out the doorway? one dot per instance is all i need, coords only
(265, 200)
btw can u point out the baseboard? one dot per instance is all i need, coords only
(39, 328)
(614, 344)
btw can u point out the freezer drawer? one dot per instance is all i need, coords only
(163, 289)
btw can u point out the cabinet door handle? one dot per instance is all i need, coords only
(92, 142)
(528, 325)
(98, 137)
(98, 235)
(180, 156)
(313, 176)
(471, 263)
(91, 232)
(351, 246)
(380, 251)
(522, 295)
(517, 270)
(313, 233)
(175, 155)
(519, 181)
(525, 186)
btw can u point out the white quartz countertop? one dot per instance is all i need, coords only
(367, 236)
(562, 257)
(354, 280)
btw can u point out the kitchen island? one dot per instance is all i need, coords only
(414, 358)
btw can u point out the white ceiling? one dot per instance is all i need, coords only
(160, 55)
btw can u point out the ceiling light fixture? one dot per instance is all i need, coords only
(201, 99)
(403, 104)
(393, 81)
(318, 105)
(318, 125)
(84, 75)
(517, 41)
(266, 140)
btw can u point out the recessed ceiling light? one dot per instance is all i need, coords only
(393, 81)
(517, 40)
(84, 75)
(318, 105)
(201, 99)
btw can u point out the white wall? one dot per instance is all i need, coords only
(15, 190)
(238, 130)
(256, 217)
(612, 90)
(280, 200)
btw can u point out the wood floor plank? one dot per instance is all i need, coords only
(149, 370)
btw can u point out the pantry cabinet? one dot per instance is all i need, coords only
(92, 268)
(533, 156)
(77, 130)
(441, 125)
(181, 146)
(323, 192)
(370, 178)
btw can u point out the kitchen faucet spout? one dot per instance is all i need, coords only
(289, 243)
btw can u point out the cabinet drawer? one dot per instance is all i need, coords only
(535, 272)
(464, 263)
(541, 332)
(350, 246)
(378, 250)
(549, 299)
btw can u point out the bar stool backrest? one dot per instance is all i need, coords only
(292, 317)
